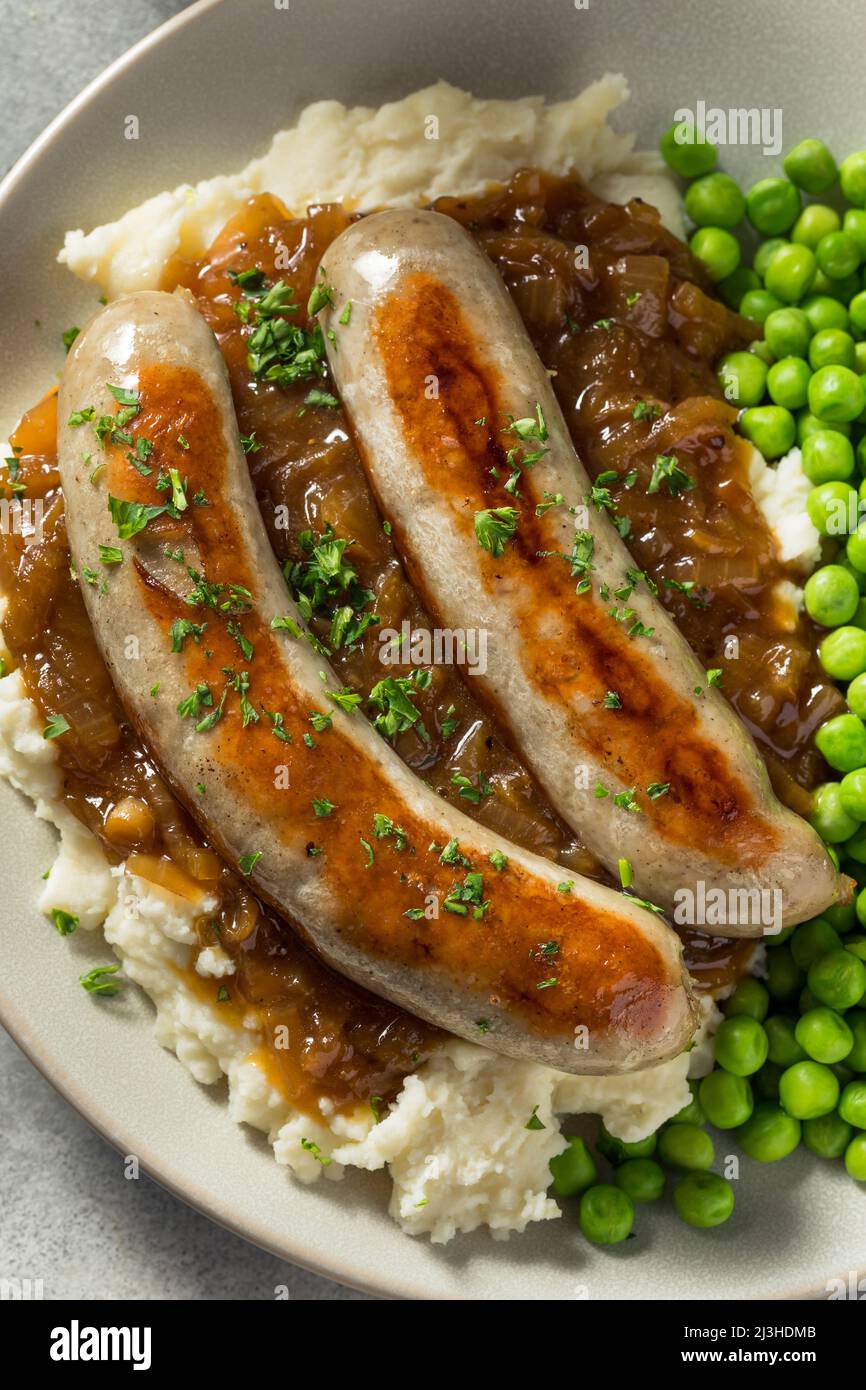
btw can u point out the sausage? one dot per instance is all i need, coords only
(595, 687)
(209, 655)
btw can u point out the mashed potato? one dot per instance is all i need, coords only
(455, 1141)
(436, 141)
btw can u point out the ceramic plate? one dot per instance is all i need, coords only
(209, 89)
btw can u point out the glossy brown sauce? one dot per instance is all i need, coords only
(343, 1044)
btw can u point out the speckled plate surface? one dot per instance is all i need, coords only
(209, 89)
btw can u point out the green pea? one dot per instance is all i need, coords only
(734, 286)
(606, 1214)
(831, 596)
(831, 506)
(617, 1150)
(828, 457)
(843, 656)
(742, 376)
(759, 304)
(788, 382)
(784, 978)
(811, 166)
(726, 1099)
(686, 151)
(808, 1089)
(852, 792)
(686, 1146)
(765, 1083)
(772, 206)
(836, 393)
(838, 255)
(814, 939)
(704, 1199)
(856, 945)
(787, 332)
(741, 1046)
(832, 347)
(852, 177)
(860, 907)
(838, 979)
(769, 1134)
(828, 815)
(856, 695)
(855, 848)
(842, 290)
(641, 1178)
(841, 916)
(824, 1035)
(717, 250)
(852, 1104)
(855, 1158)
(784, 1049)
(822, 311)
(773, 939)
(814, 222)
(809, 424)
(759, 348)
(715, 201)
(854, 224)
(574, 1170)
(827, 1136)
(750, 999)
(691, 1114)
(766, 251)
(791, 273)
(855, 547)
(770, 428)
(856, 1020)
(842, 742)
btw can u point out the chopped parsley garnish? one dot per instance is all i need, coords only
(247, 862)
(667, 469)
(626, 800)
(384, 827)
(467, 897)
(644, 411)
(182, 628)
(69, 337)
(626, 874)
(65, 922)
(612, 700)
(323, 807)
(98, 981)
(498, 860)
(123, 396)
(315, 396)
(657, 789)
(533, 1122)
(81, 417)
(392, 697)
(55, 727)
(246, 646)
(468, 790)
(131, 517)
(495, 527)
(110, 555)
(313, 1148)
(715, 677)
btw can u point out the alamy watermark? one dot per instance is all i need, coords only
(438, 646)
(753, 125)
(702, 906)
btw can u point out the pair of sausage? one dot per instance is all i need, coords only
(391, 885)
(470, 459)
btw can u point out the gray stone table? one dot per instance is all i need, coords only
(68, 1214)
